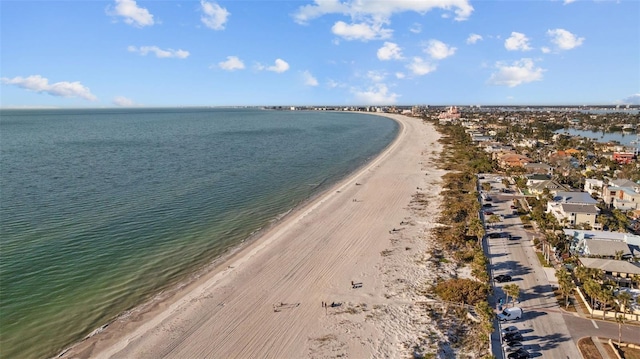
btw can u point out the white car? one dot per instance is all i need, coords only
(510, 329)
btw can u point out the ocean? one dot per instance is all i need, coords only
(102, 209)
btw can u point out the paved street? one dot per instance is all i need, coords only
(543, 325)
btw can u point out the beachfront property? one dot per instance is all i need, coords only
(574, 208)
(603, 244)
(618, 271)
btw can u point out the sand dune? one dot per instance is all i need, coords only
(267, 300)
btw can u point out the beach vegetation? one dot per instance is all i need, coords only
(461, 290)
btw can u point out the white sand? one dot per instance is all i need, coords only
(266, 300)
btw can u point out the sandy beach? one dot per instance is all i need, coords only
(338, 277)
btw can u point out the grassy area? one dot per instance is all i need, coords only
(543, 261)
(588, 349)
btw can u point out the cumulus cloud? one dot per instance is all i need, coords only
(41, 84)
(631, 100)
(567, 2)
(545, 50)
(280, 66)
(517, 41)
(308, 79)
(564, 40)
(379, 10)
(123, 101)
(233, 63)
(419, 67)
(215, 16)
(400, 75)
(378, 94)
(473, 38)
(160, 53)
(389, 51)
(518, 73)
(132, 13)
(438, 50)
(416, 28)
(361, 31)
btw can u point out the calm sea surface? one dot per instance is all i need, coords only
(625, 138)
(101, 209)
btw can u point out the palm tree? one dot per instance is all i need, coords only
(565, 282)
(512, 291)
(592, 288)
(606, 297)
(624, 301)
(620, 321)
(476, 229)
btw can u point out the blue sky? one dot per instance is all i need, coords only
(325, 52)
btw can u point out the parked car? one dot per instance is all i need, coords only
(512, 329)
(501, 278)
(515, 337)
(510, 314)
(495, 235)
(488, 213)
(487, 205)
(519, 354)
(512, 346)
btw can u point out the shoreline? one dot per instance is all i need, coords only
(135, 332)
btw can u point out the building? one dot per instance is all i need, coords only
(574, 208)
(624, 158)
(619, 271)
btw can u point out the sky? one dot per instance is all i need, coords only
(134, 53)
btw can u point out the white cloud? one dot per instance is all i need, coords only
(518, 73)
(123, 101)
(132, 14)
(473, 38)
(564, 40)
(361, 31)
(419, 67)
(308, 79)
(280, 66)
(545, 50)
(389, 51)
(335, 84)
(400, 75)
(378, 94)
(233, 63)
(631, 100)
(215, 16)
(376, 76)
(416, 28)
(438, 50)
(160, 53)
(567, 2)
(517, 41)
(38, 83)
(379, 11)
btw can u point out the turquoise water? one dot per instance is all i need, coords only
(101, 209)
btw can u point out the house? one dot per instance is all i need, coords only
(619, 271)
(574, 208)
(622, 194)
(624, 158)
(593, 186)
(538, 187)
(538, 168)
(603, 243)
(508, 160)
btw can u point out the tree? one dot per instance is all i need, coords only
(606, 297)
(566, 285)
(512, 291)
(591, 288)
(624, 301)
(476, 229)
(620, 321)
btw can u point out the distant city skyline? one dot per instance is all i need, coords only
(126, 53)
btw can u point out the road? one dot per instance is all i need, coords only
(543, 325)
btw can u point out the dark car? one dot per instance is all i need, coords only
(495, 235)
(501, 278)
(487, 205)
(519, 354)
(515, 337)
(488, 213)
